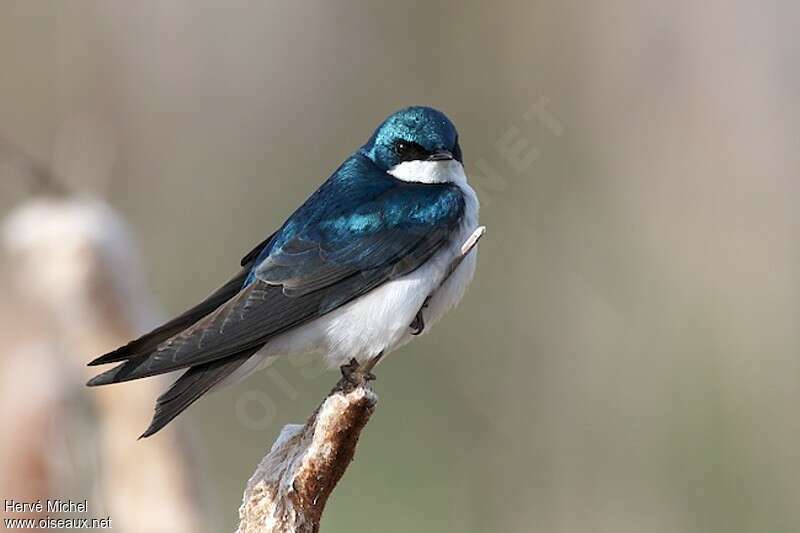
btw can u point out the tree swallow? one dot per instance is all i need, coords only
(354, 273)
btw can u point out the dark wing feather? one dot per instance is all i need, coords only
(312, 271)
(147, 343)
(252, 255)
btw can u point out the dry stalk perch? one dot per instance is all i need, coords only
(288, 491)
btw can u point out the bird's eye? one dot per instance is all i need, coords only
(409, 150)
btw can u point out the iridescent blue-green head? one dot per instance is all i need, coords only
(413, 134)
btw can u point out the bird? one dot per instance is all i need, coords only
(363, 266)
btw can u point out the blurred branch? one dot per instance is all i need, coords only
(75, 265)
(289, 489)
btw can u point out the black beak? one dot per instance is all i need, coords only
(440, 155)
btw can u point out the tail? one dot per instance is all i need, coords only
(190, 386)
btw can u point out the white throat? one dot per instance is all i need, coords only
(430, 172)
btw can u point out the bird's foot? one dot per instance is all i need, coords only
(355, 374)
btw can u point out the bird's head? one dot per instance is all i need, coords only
(416, 144)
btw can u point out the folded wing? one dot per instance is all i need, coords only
(318, 262)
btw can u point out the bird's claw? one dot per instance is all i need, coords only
(355, 374)
(349, 369)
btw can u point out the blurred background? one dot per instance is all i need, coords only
(627, 358)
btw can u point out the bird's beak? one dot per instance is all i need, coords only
(440, 155)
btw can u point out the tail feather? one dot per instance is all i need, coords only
(189, 387)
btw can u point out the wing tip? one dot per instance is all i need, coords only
(151, 430)
(126, 371)
(104, 378)
(102, 360)
(122, 353)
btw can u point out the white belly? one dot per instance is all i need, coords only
(380, 320)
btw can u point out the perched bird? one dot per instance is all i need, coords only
(355, 272)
